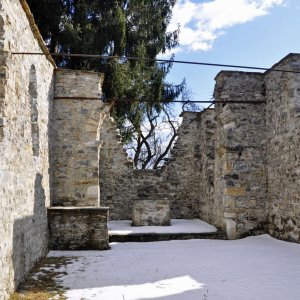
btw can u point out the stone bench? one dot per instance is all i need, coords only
(151, 212)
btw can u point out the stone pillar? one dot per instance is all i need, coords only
(77, 116)
(240, 169)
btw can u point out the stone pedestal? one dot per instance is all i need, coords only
(78, 228)
(151, 213)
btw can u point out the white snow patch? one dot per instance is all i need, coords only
(255, 268)
(177, 226)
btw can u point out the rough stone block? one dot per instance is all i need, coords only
(93, 192)
(237, 191)
(231, 229)
(151, 213)
(229, 215)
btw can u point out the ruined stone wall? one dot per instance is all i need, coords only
(240, 169)
(115, 173)
(283, 140)
(25, 102)
(179, 180)
(181, 174)
(77, 116)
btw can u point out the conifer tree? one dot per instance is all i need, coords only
(120, 28)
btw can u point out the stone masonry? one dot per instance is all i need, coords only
(26, 92)
(75, 140)
(236, 166)
(240, 167)
(178, 181)
(282, 93)
(151, 212)
(29, 116)
(80, 228)
(77, 116)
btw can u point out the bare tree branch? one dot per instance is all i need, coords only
(163, 155)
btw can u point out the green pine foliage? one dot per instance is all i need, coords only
(121, 28)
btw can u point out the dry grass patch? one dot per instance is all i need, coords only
(43, 282)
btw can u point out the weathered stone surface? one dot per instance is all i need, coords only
(115, 173)
(178, 180)
(237, 166)
(224, 165)
(240, 165)
(283, 140)
(208, 209)
(78, 228)
(151, 212)
(231, 229)
(26, 93)
(75, 140)
(76, 83)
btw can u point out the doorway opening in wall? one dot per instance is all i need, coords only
(34, 116)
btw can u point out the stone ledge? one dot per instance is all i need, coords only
(155, 237)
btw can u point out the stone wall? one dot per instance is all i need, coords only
(283, 140)
(25, 103)
(257, 151)
(240, 168)
(181, 173)
(237, 166)
(115, 173)
(77, 115)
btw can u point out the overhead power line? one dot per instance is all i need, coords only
(162, 100)
(95, 56)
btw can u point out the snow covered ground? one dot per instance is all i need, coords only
(256, 268)
(177, 226)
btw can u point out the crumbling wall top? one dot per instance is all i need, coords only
(78, 84)
(291, 60)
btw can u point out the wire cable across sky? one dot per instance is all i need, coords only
(96, 56)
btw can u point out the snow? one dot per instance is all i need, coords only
(254, 268)
(177, 226)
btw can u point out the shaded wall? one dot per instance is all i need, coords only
(25, 103)
(208, 207)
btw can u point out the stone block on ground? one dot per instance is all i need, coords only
(151, 212)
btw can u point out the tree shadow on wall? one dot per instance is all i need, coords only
(30, 235)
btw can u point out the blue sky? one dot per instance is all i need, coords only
(239, 32)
